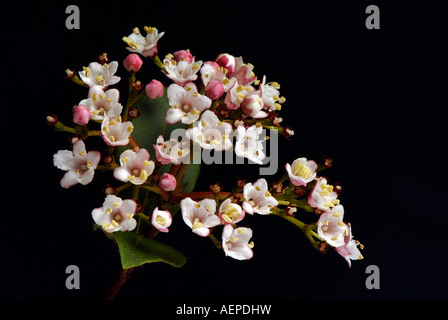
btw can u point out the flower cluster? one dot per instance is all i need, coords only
(223, 104)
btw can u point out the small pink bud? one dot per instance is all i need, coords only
(81, 115)
(214, 90)
(183, 55)
(154, 89)
(133, 62)
(167, 182)
(227, 61)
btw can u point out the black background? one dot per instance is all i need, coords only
(373, 100)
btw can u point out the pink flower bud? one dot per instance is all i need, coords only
(167, 182)
(133, 62)
(183, 55)
(154, 89)
(81, 115)
(227, 61)
(214, 90)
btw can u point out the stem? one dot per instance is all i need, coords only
(119, 281)
(293, 220)
(154, 188)
(123, 187)
(92, 133)
(180, 176)
(158, 63)
(215, 241)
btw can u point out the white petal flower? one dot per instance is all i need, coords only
(199, 216)
(79, 164)
(170, 151)
(115, 132)
(212, 71)
(349, 250)
(103, 103)
(236, 95)
(258, 198)
(102, 75)
(247, 144)
(135, 167)
(331, 228)
(323, 197)
(146, 46)
(181, 71)
(243, 72)
(186, 103)
(235, 242)
(161, 219)
(115, 214)
(302, 171)
(230, 213)
(210, 133)
(270, 95)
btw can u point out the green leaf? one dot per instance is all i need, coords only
(136, 250)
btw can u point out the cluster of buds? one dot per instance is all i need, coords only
(224, 104)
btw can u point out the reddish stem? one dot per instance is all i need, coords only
(119, 281)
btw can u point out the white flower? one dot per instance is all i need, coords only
(212, 71)
(181, 71)
(186, 103)
(302, 171)
(270, 95)
(135, 167)
(100, 74)
(146, 46)
(349, 250)
(115, 132)
(235, 242)
(210, 133)
(79, 164)
(331, 228)
(230, 213)
(243, 72)
(199, 216)
(247, 143)
(103, 103)
(170, 151)
(323, 197)
(258, 198)
(116, 214)
(236, 95)
(161, 219)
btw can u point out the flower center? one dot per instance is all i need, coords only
(160, 220)
(196, 224)
(300, 169)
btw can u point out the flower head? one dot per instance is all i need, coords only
(331, 228)
(170, 151)
(181, 70)
(258, 198)
(199, 216)
(186, 104)
(323, 197)
(248, 144)
(349, 250)
(79, 164)
(146, 46)
(115, 132)
(116, 214)
(102, 103)
(161, 219)
(301, 172)
(135, 167)
(102, 75)
(230, 213)
(210, 133)
(235, 242)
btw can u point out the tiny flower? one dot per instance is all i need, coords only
(323, 197)
(161, 219)
(116, 133)
(235, 242)
(81, 115)
(227, 61)
(211, 72)
(133, 63)
(154, 89)
(349, 250)
(258, 198)
(167, 182)
(146, 46)
(271, 96)
(100, 74)
(170, 151)
(214, 90)
(79, 164)
(116, 214)
(247, 143)
(302, 171)
(230, 213)
(186, 104)
(183, 55)
(253, 104)
(210, 133)
(181, 71)
(135, 167)
(199, 216)
(236, 95)
(103, 103)
(243, 72)
(331, 228)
